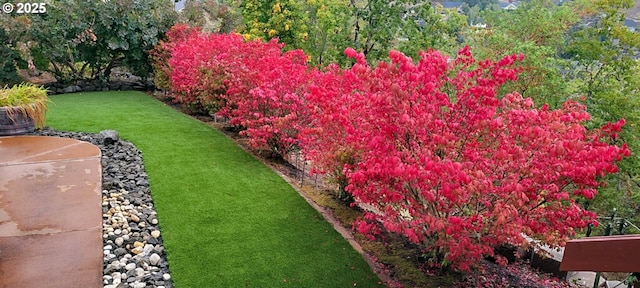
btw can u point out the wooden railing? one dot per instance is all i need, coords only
(620, 253)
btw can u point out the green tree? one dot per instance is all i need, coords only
(481, 4)
(59, 35)
(473, 14)
(282, 19)
(8, 62)
(13, 28)
(127, 30)
(212, 15)
(376, 26)
(88, 39)
(328, 28)
(320, 27)
(409, 26)
(324, 28)
(427, 27)
(604, 69)
(536, 29)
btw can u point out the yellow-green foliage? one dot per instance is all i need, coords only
(282, 19)
(28, 99)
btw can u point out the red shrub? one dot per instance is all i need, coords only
(266, 95)
(162, 53)
(430, 147)
(200, 68)
(254, 84)
(441, 159)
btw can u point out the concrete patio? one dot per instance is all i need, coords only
(50, 212)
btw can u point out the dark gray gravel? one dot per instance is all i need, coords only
(133, 252)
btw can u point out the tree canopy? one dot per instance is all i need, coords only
(78, 39)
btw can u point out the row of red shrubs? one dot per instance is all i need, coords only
(429, 145)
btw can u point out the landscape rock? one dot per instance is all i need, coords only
(69, 89)
(154, 259)
(126, 198)
(136, 84)
(109, 137)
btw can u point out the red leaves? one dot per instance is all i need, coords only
(352, 53)
(429, 147)
(254, 84)
(450, 164)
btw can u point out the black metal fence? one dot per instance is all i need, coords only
(612, 225)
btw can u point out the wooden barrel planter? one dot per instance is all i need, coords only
(23, 108)
(14, 122)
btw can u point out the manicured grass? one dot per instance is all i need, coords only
(226, 219)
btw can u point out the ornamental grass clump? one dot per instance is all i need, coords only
(28, 99)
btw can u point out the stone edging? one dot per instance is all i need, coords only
(98, 85)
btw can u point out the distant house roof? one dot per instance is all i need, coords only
(179, 5)
(631, 24)
(509, 6)
(451, 5)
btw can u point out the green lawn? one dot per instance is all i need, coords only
(226, 219)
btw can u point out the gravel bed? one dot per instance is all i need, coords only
(132, 244)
